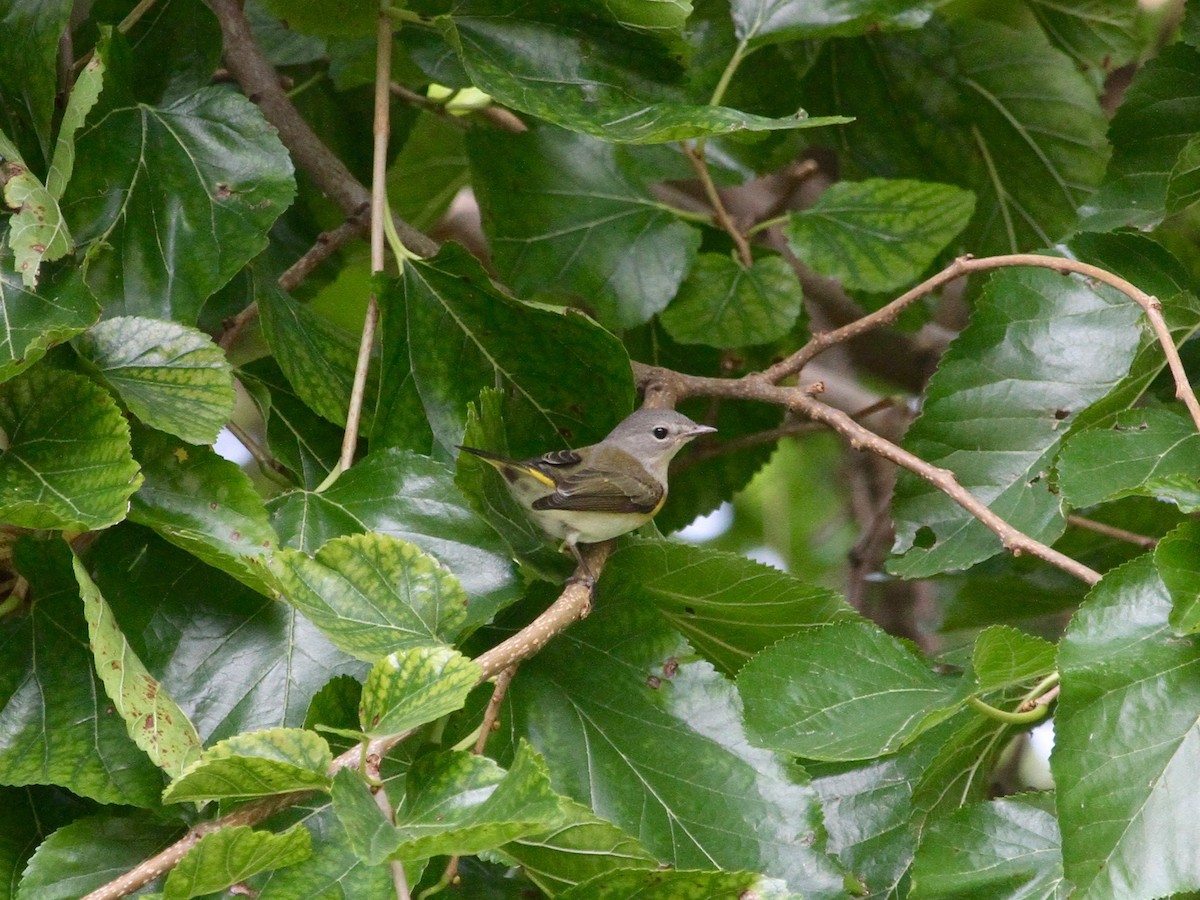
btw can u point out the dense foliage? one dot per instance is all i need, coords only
(674, 197)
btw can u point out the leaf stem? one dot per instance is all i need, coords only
(1002, 715)
(735, 60)
(695, 155)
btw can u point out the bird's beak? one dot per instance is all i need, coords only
(701, 429)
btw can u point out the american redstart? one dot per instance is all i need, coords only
(602, 490)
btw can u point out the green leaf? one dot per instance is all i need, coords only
(666, 758)
(728, 607)
(231, 855)
(1150, 131)
(67, 464)
(635, 885)
(569, 225)
(580, 847)
(952, 103)
(410, 687)
(334, 871)
(204, 504)
(1147, 452)
(412, 498)
(29, 59)
(589, 84)
(36, 231)
(172, 377)
(90, 852)
(234, 659)
(56, 724)
(1099, 34)
(300, 439)
(1183, 184)
(723, 305)
(427, 173)
(199, 182)
(1004, 656)
(1125, 739)
(1008, 848)
(568, 379)
(1039, 350)
(841, 692)
(84, 94)
(154, 720)
(354, 18)
(367, 827)
(1177, 559)
(765, 21)
(459, 803)
(255, 764)
(316, 356)
(670, 15)
(36, 320)
(371, 594)
(879, 234)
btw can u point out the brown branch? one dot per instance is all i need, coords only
(1112, 531)
(260, 82)
(662, 387)
(966, 265)
(695, 156)
(573, 604)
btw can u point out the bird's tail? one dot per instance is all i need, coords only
(511, 469)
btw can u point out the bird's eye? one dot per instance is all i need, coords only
(661, 433)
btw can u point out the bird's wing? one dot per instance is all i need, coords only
(601, 486)
(540, 468)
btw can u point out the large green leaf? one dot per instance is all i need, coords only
(411, 687)
(676, 885)
(172, 377)
(841, 692)
(1148, 452)
(67, 463)
(454, 803)
(1002, 850)
(55, 725)
(952, 103)
(592, 82)
(1100, 34)
(413, 498)
(878, 234)
(203, 503)
(29, 60)
(724, 305)
(153, 718)
(1126, 742)
(174, 200)
(727, 606)
(568, 224)
(1040, 349)
(92, 851)
(1003, 657)
(764, 21)
(427, 173)
(232, 658)
(227, 856)
(662, 754)
(580, 847)
(256, 764)
(568, 380)
(372, 594)
(316, 356)
(1153, 126)
(333, 872)
(36, 320)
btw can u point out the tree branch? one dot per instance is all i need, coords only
(260, 82)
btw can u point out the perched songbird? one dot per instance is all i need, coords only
(603, 490)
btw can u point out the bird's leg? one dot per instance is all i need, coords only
(583, 573)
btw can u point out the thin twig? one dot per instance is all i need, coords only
(379, 208)
(267, 464)
(695, 156)
(572, 604)
(1112, 531)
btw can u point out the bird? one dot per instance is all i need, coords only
(602, 490)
